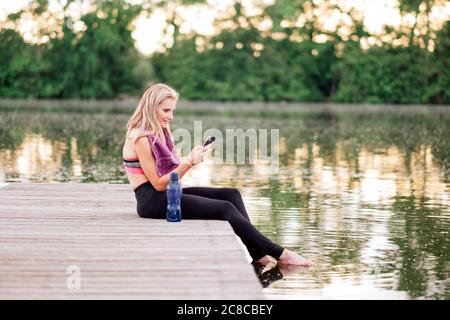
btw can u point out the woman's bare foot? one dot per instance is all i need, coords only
(291, 269)
(266, 260)
(290, 257)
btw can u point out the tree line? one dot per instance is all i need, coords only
(296, 59)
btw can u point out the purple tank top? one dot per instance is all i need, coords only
(165, 153)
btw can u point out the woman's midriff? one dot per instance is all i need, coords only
(136, 180)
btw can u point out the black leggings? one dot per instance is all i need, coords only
(209, 203)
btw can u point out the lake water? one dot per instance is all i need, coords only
(365, 196)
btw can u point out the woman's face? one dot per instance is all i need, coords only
(164, 112)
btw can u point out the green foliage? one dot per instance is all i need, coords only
(409, 5)
(438, 90)
(283, 9)
(97, 63)
(241, 63)
(20, 66)
(235, 68)
(383, 75)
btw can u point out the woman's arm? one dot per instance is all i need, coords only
(148, 164)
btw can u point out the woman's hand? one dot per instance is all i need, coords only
(196, 155)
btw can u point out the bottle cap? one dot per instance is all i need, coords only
(174, 176)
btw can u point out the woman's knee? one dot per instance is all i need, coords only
(232, 193)
(228, 211)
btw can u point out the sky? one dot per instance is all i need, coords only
(149, 31)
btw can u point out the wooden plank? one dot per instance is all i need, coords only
(46, 228)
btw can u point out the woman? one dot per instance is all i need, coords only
(149, 157)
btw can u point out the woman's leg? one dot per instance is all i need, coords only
(197, 207)
(229, 194)
(152, 204)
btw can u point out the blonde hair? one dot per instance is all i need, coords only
(144, 118)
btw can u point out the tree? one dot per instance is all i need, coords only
(438, 90)
(97, 62)
(21, 66)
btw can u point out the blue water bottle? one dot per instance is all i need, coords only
(174, 192)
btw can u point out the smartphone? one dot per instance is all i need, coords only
(209, 140)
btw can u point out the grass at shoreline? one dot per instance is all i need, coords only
(205, 108)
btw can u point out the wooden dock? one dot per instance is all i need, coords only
(85, 241)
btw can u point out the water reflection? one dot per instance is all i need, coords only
(267, 274)
(38, 158)
(364, 196)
